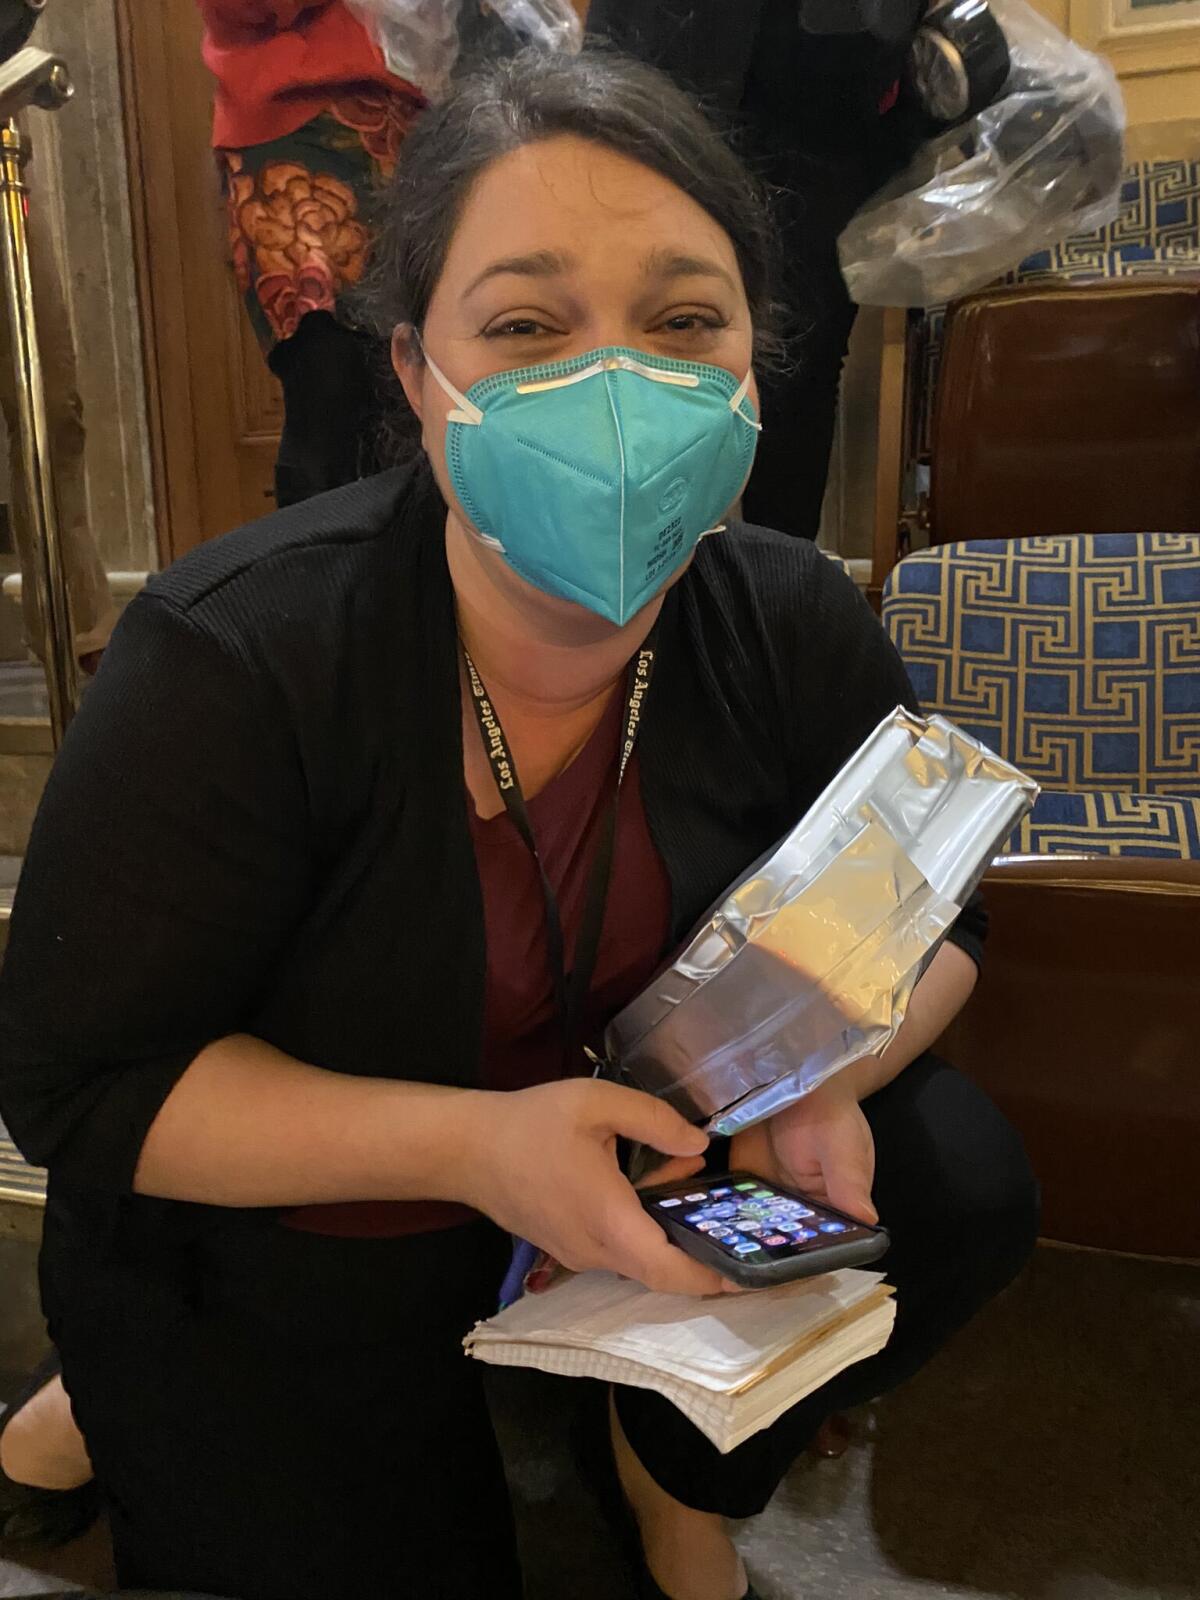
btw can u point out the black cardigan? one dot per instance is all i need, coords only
(258, 819)
(795, 94)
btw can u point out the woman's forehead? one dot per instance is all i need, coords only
(576, 200)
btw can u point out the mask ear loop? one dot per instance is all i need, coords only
(735, 405)
(465, 411)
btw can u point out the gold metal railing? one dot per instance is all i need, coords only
(32, 77)
(35, 77)
(20, 1184)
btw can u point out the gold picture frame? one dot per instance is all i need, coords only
(1160, 36)
(1143, 15)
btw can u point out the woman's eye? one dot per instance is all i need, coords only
(693, 322)
(516, 328)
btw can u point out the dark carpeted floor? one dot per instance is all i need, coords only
(1052, 1453)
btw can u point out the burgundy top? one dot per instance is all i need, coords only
(522, 1028)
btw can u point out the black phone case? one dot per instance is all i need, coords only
(822, 1258)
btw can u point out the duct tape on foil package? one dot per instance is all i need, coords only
(809, 961)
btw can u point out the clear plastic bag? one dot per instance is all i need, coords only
(552, 24)
(1044, 161)
(420, 38)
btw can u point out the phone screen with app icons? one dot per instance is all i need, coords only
(755, 1223)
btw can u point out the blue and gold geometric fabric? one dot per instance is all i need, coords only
(1156, 232)
(1110, 825)
(1079, 660)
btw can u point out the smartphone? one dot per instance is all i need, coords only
(755, 1233)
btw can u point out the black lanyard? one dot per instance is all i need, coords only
(570, 991)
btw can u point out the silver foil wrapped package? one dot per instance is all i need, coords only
(810, 960)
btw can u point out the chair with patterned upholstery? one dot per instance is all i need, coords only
(1155, 236)
(1078, 658)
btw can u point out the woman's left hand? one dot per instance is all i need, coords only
(821, 1146)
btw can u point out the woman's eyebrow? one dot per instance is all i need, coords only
(663, 264)
(537, 264)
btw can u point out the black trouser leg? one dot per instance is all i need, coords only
(329, 374)
(817, 196)
(799, 413)
(295, 1418)
(799, 405)
(954, 1187)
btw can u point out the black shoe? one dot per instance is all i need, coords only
(46, 1517)
(594, 1454)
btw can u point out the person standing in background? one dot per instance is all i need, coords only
(307, 122)
(307, 125)
(823, 119)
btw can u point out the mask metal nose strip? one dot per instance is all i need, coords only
(682, 380)
(544, 384)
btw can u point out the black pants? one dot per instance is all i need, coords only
(800, 401)
(332, 397)
(816, 197)
(278, 1417)
(799, 412)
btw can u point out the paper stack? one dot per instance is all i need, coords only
(731, 1363)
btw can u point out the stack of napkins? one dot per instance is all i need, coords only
(731, 1363)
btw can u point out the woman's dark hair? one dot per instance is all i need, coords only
(600, 95)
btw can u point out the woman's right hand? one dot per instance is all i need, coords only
(546, 1170)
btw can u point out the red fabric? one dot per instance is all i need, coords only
(279, 63)
(522, 1031)
(889, 99)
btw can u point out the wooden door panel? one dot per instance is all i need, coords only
(258, 408)
(215, 410)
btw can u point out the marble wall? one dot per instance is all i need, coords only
(22, 779)
(79, 173)
(78, 180)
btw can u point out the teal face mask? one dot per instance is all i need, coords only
(595, 478)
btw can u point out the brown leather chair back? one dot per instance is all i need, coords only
(1069, 408)
(1083, 1031)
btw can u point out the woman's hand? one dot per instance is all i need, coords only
(822, 1146)
(546, 1170)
